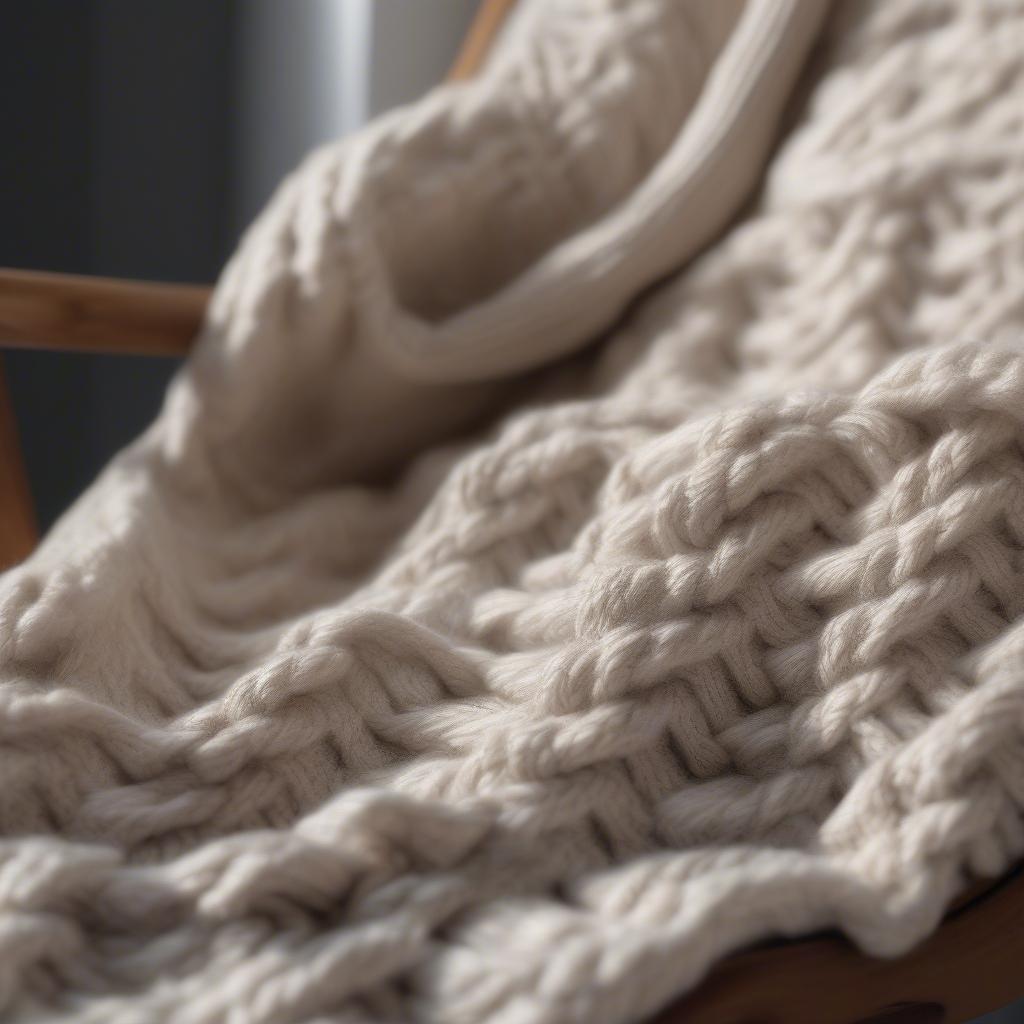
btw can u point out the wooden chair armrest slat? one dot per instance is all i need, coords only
(98, 314)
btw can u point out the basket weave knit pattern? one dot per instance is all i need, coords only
(584, 541)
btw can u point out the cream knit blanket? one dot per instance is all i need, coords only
(510, 613)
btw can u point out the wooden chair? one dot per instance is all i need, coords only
(972, 964)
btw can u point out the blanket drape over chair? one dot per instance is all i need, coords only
(587, 537)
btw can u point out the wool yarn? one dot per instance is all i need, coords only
(542, 579)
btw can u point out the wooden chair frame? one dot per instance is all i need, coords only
(972, 964)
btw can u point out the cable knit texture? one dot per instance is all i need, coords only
(542, 579)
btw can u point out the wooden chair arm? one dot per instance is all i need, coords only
(98, 314)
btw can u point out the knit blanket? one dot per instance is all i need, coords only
(588, 537)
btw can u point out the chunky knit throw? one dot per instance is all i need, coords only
(588, 537)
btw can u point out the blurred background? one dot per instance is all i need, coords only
(140, 138)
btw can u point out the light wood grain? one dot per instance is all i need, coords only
(97, 314)
(486, 26)
(18, 531)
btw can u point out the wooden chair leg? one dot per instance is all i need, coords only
(18, 530)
